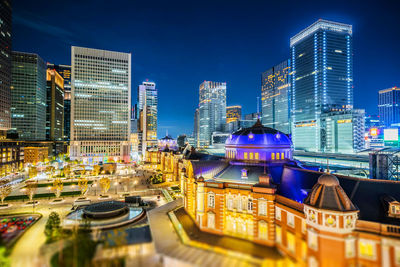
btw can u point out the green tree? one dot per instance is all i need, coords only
(52, 229)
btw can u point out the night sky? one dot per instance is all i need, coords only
(179, 44)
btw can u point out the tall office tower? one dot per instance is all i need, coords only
(389, 106)
(100, 105)
(322, 78)
(343, 131)
(65, 72)
(147, 106)
(5, 63)
(28, 96)
(212, 110)
(275, 97)
(233, 113)
(196, 127)
(54, 106)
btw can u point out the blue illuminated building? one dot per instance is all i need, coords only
(389, 106)
(322, 79)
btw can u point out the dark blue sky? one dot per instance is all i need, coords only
(179, 44)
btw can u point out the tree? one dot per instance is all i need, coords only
(96, 170)
(30, 189)
(32, 172)
(5, 189)
(83, 185)
(57, 187)
(67, 171)
(83, 171)
(52, 229)
(50, 169)
(105, 184)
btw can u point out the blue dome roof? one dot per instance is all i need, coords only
(259, 136)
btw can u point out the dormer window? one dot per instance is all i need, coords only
(394, 209)
(244, 173)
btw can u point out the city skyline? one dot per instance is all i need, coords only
(229, 61)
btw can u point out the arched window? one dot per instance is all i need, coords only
(272, 156)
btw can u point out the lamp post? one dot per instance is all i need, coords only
(116, 187)
(95, 188)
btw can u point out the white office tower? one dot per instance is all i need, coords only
(100, 105)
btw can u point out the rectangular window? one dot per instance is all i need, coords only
(251, 155)
(277, 155)
(282, 155)
(245, 155)
(273, 156)
(230, 203)
(366, 249)
(397, 255)
(291, 242)
(350, 248)
(278, 214)
(211, 220)
(262, 208)
(263, 230)
(290, 219)
(211, 200)
(312, 240)
(249, 204)
(278, 231)
(257, 156)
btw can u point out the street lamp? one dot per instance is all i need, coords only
(95, 188)
(116, 187)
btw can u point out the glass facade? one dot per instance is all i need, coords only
(212, 110)
(147, 106)
(233, 113)
(100, 104)
(275, 97)
(54, 106)
(389, 106)
(5, 63)
(65, 72)
(28, 101)
(322, 79)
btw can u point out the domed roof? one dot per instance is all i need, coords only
(259, 135)
(200, 179)
(329, 195)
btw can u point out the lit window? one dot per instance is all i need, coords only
(263, 230)
(291, 243)
(290, 219)
(211, 200)
(303, 249)
(230, 203)
(282, 155)
(397, 255)
(251, 155)
(245, 155)
(278, 214)
(249, 204)
(312, 240)
(277, 155)
(262, 207)
(273, 156)
(211, 220)
(257, 156)
(350, 247)
(366, 249)
(278, 232)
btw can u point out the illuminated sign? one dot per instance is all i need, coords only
(373, 131)
(391, 134)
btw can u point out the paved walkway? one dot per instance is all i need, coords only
(174, 252)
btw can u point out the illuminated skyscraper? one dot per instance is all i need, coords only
(322, 79)
(233, 113)
(389, 106)
(275, 97)
(196, 128)
(28, 89)
(54, 106)
(147, 106)
(212, 110)
(65, 72)
(5, 63)
(100, 105)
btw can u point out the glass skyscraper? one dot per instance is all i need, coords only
(147, 107)
(54, 106)
(5, 63)
(28, 96)
(212, 110)
(275, 97)
(322, 79)
(100, 105)
(65, 72)
(233, 113)
(389, 106)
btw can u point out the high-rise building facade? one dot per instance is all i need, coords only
(389, 106)
(5, 63)
(322, 78)
(233, 113)
(100, 105)
(54, 106)
(28, 96)
(196, 128)
(212, 110)
(65, 72)
(147, 107)
(275, 97)
(343, 131)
